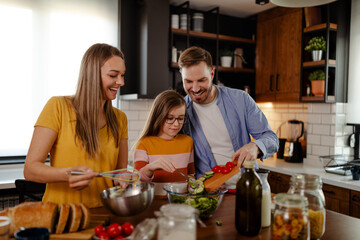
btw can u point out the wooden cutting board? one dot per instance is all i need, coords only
(96, 219)
(218, 179)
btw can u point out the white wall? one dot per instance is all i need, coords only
(353, 110)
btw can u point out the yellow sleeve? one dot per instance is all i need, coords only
(123, 124)
(50, 116)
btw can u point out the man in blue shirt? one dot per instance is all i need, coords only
(221, 119)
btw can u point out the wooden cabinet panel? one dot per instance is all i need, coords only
(278, 55)
(279, 183)
(355, 204)
(337, 199)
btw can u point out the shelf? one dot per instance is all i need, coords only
(223, 69)
(212, 36)
(231, 69)
(318, 27)
(313, 98)
(330, 98)
(331, 63)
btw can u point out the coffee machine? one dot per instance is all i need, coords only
(292, 148)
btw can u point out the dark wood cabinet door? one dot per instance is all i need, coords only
(355, 204)
(283, 182)
(337, 199)
(288, 56)
(265, 60)
(273, 182)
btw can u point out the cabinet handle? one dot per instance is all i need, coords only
(271, 79)
(355, 198)
(329, 192)
(276, 82)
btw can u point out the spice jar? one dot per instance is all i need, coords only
(177, 221)
(310, 186)
(290, 217)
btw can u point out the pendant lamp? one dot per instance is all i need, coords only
(300, 3)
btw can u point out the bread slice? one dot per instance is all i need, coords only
(85, 220)
(33, 214)
(74, 217)
(63, 217)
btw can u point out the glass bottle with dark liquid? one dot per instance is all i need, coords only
(248, 202)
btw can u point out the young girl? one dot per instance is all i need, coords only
(82, 132)
(160, 149)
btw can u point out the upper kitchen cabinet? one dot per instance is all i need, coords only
(217, 33)
(332, 23)
(144, 41)
(278, 55)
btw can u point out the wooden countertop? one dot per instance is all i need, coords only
(338, 226)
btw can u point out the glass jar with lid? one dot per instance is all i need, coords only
(177, 221)
(310, 186)
(291, 219)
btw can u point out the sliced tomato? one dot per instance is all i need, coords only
(230, 165)
(216, 169)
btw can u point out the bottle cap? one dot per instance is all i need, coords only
(249, 164)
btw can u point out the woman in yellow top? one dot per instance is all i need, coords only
(82, 132)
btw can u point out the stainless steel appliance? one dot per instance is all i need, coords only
(292, 148)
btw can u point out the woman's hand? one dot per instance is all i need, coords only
(160, 164)
(79, 182)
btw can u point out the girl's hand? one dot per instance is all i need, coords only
(160, 164)
(79, 182)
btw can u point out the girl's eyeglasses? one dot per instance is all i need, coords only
(171, 120)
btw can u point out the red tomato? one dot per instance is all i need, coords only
(230, 165)
(225, 170)
(119, 238)
(103, 235)
(216, 169)
(99, 229)
(114, 230)
(128, 228)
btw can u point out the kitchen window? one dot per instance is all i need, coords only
(41, 46)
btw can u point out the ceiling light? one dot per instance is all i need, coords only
(261, 2)
(300, 3)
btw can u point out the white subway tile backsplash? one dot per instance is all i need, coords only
(310, 127)
(141, 104)
(132, 115)
(320, 150)
(321, 108)
(133, 135)
(338, 150)
(136, 125)
(124, 105)
(321, 129)
(313, 139)
(340, 108)
(287, 116)
(143, 115)
(313, 161)
(314, 118)
(328, 118)
(327, 141)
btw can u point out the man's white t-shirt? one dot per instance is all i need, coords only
(217, 135)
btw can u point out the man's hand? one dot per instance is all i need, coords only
(248, 152)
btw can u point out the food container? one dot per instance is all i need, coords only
(291, 219)
(174, 21)
(177, 221)
(198, 22)
(207, 203)
(183, 21)
(310, 186)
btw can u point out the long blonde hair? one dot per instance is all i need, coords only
(87, 99)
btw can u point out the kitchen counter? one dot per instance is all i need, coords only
(280, 166)
(338, 226)
(9, 173)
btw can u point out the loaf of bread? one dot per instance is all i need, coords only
(32, 214)
(65, 218)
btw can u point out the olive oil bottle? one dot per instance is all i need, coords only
(248, 202)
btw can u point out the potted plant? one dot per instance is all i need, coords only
(316, 46)
(226, 57)
(317, 79)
